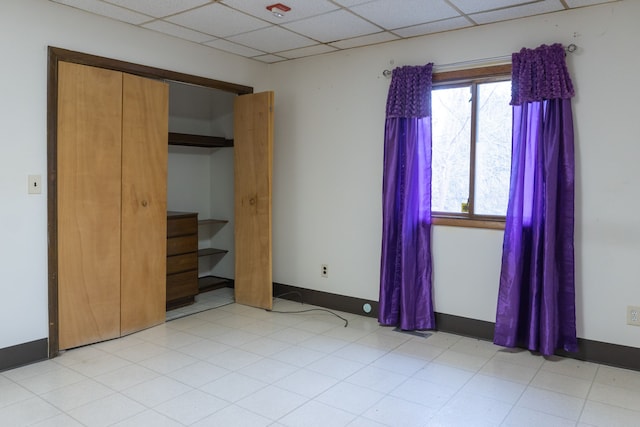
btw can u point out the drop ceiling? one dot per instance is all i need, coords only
(311, 27)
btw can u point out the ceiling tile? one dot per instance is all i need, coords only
(474, 6)
(333, 26)
(300, 9)
(350, 3)
(159, 8)
(434, 27)
(581, 3)
(312, 27)
(307, 51)
(177, 31)
(370, 39)
(227, 46)
(391, 14)
(218, 20)
(270, 58)
(518, 12)
(107, 10)
(272, 39)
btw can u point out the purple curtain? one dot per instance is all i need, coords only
(536, 299)
(406, 267)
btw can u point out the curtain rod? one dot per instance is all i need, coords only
(496, 60)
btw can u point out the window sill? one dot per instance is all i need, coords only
(470, 223)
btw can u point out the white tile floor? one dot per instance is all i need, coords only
(203, 301)
(241, 366)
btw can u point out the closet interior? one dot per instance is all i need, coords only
(200, 192)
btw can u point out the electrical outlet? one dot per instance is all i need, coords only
(35, 184)
(633, 315)
(324, 270)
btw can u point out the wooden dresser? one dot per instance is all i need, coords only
(182, 258)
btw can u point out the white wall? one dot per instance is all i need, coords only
(328, 157)
(328, 167)
(222, 207)
(28, 27)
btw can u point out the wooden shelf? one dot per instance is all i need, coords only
(209, 283)
(212, 221)
(211, 252)
(199, 140)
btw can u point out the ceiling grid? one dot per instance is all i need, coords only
(264, 31)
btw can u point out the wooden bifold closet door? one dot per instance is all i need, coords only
(111, 169)
(253, 165)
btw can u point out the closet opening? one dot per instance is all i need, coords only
(186, 135)
(200, 189)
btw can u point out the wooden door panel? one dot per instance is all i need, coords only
(253, 159)
(88, 187)
(144, 202)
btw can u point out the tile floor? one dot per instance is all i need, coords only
(241, 366)
(204, 301)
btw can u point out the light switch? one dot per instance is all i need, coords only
(35, 184)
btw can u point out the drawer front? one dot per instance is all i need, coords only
(182, 285)
(182, 245)
(182, 226)
(180, 263)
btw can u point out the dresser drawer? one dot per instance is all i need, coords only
(182, 226)
(182, 285)
(180, 263)
(182, 245)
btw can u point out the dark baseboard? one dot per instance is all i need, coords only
(604, 353)
(590, 351)
(464, 326)
(23, 354)
(325, 299)
(620, 356)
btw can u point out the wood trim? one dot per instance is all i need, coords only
(52, 199)
(471, 74)
(23, 354)
(54, 55)
(145, 71)
(471, 223)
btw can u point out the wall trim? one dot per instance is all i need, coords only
(616, 355)
(23, 354)
(325, 299)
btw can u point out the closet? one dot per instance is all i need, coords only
(220, 166)
(108, 146)
(111, 203)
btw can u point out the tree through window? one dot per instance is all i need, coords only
(471, 145)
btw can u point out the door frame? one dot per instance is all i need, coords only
(55, 55)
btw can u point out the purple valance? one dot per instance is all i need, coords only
(539, 74)
(410, 92)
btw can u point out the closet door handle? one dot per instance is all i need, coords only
(252, 201)
(145, 203)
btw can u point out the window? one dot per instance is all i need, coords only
(471, 146)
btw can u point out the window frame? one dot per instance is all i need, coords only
(458, 78)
